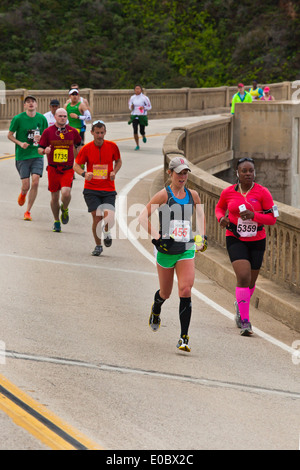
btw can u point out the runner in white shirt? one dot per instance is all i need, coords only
(54, 105)
(139, 104)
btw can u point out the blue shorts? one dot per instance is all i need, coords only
(32, 166)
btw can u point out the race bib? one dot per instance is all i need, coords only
(246, 228)
(60, 155)
(100, 172)
(180, 230)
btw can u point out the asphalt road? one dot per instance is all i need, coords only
(75, 335)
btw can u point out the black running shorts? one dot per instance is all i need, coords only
(252, 251)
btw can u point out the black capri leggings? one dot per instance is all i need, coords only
(252, 251)
(135, 124)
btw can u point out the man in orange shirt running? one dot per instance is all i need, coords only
(103, 160)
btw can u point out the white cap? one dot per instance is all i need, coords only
(73, 91)
(178, 164)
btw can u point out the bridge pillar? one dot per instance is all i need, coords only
(269, 132)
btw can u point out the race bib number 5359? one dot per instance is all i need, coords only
(246, 228)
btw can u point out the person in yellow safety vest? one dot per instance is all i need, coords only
(241, 96)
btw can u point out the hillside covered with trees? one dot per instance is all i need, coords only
(159, 43)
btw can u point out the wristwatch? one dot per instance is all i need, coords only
(83, 174)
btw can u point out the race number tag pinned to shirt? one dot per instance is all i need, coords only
(100, 172)
(246, 228)
(60, 155)
(180, 230)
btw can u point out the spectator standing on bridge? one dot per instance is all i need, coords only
(266, 95)
(249, 206)
(25, 131)
(255, 91)
(58, 142)
(139, 105)
(241, 96)
(50, 115)
(174, 245)
(103, 161)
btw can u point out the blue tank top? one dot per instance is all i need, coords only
(175, 218)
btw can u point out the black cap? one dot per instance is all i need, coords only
(54, 102)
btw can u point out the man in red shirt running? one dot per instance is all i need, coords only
(103, 160)
(57, 142)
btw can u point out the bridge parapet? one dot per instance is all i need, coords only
(208, 147)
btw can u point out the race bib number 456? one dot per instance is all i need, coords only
(180, 230)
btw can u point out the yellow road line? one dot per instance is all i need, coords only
(38, 421)
(6, 157)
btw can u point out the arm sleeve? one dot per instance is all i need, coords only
(86, 116)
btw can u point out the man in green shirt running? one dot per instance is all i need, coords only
(25, 131)
(78, 113)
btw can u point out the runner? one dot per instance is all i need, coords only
(174, 245)
(255, 91)
(87, 107)
(28, 127)
(78, 113)
(250, 206)
(139, 104)
(57, 142)
(103, 161)
(266, 96)
(50, 115)
(241, 96)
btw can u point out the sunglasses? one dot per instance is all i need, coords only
(245, 159)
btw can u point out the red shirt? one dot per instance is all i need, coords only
(259, 199)
(99, 161)
(62, 144)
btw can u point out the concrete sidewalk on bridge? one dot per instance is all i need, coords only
(269, 297)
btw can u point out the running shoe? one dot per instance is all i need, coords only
(56, 226)
(21, 199)
(97, 250)
(137, 147)
(183, 344)
(107, 239)
(154, 320)
(144, 139)
(237, 317)
(27, 216)
(246, 329)
(64, 215)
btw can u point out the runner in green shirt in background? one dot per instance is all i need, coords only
(25, 131)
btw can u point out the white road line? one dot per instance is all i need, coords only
(78, 265)
(161, 375)
(122, 198)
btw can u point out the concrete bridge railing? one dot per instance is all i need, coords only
(208, 147)
(113, 104)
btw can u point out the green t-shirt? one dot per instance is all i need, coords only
(24, 128)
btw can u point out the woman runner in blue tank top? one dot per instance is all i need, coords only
(174, 244)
